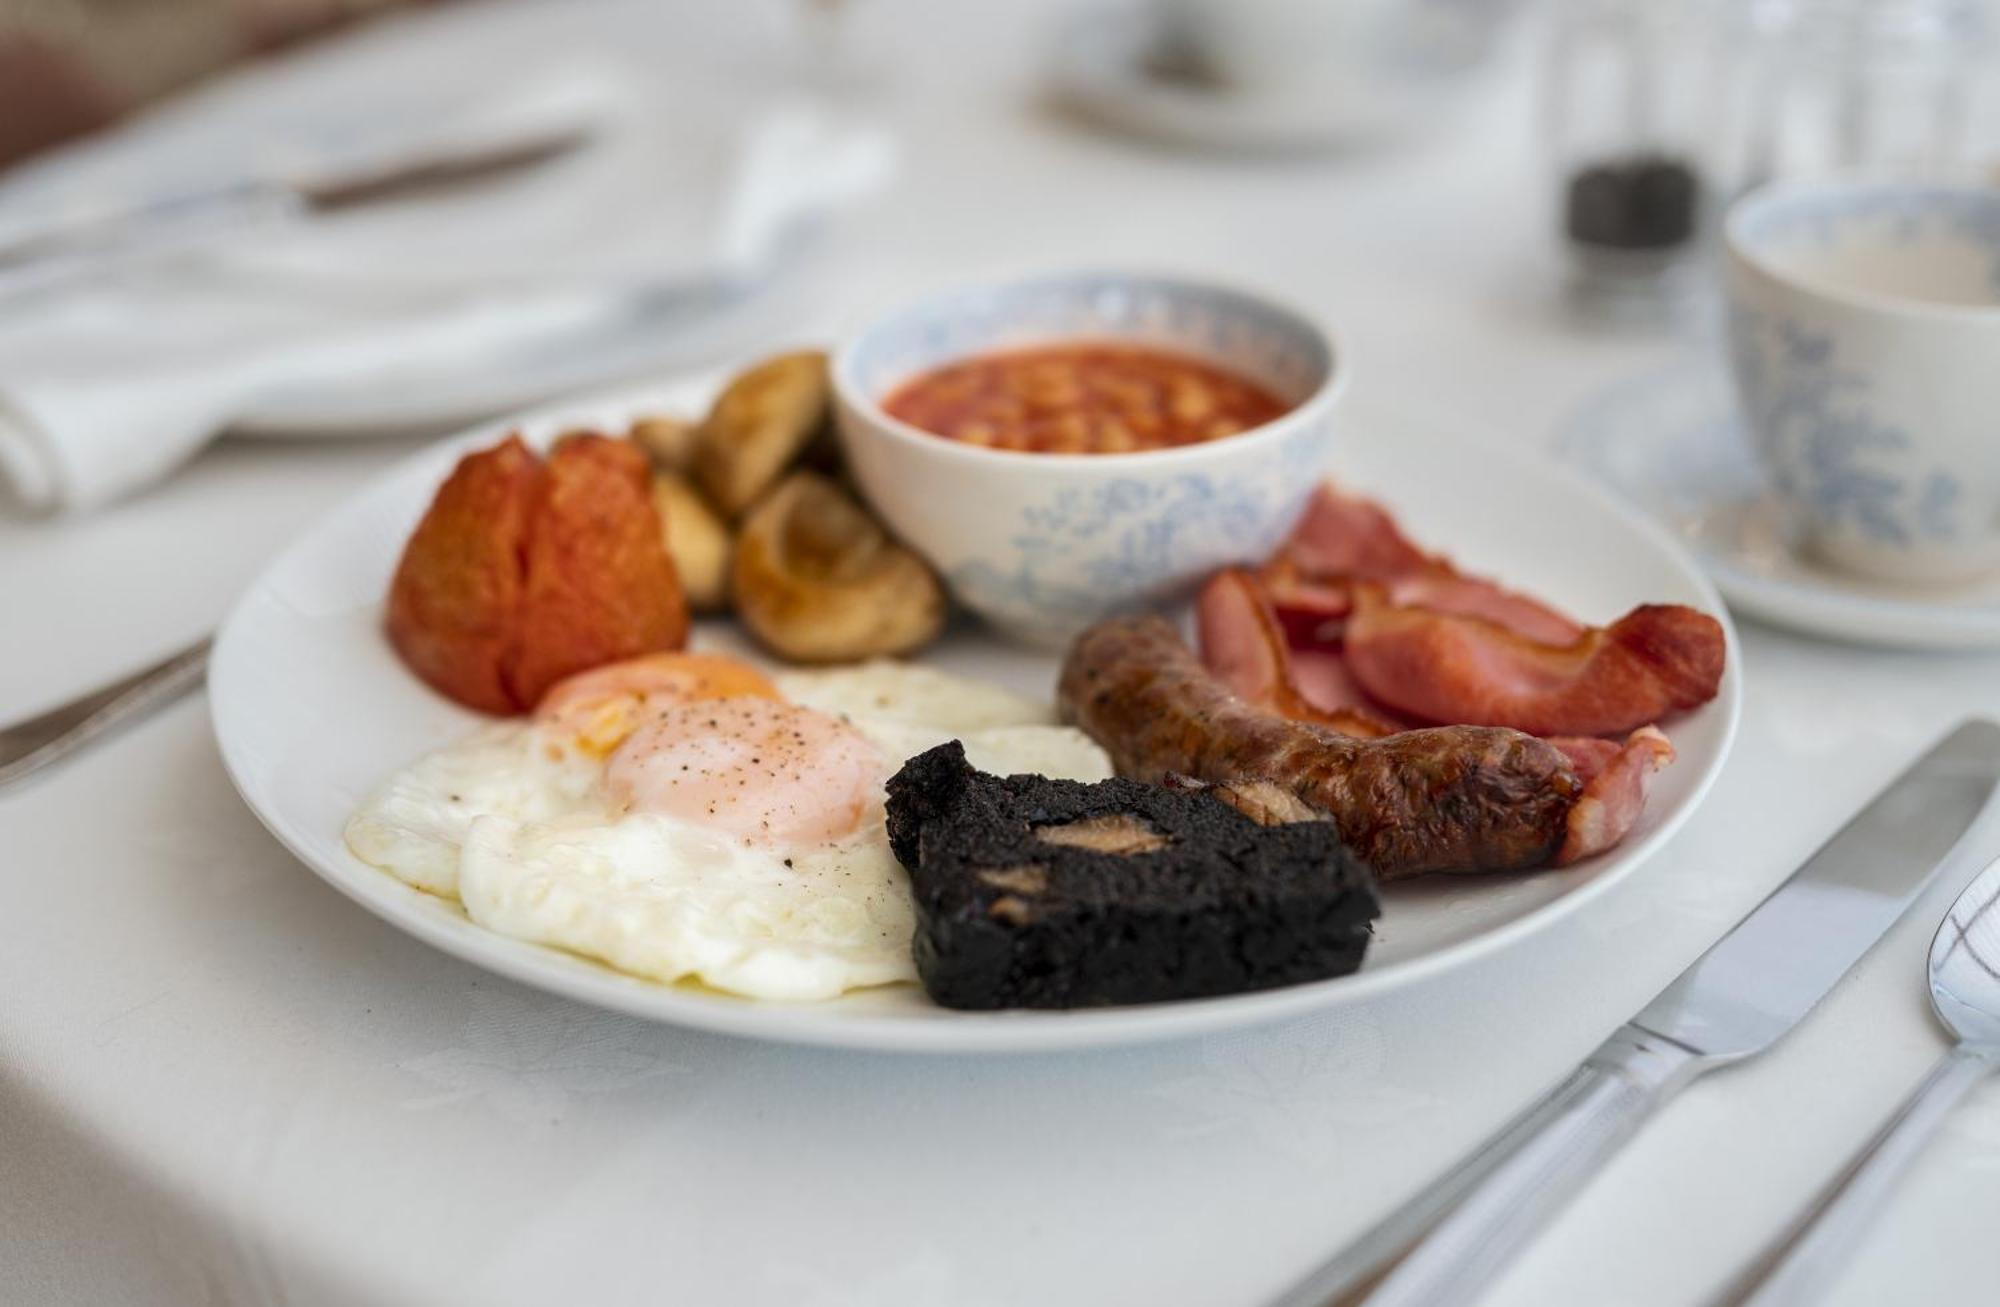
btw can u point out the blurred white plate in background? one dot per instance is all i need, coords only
(1111, 64)
(641, 201)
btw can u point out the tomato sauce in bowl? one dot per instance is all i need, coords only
(1083, 398)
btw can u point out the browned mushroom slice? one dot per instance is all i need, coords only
(697, 539)
(761, 423)
(1119, 833)
(668, 441)
(818, 580)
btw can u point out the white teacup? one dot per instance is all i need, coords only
(1865, 337)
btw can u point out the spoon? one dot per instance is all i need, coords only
(1965, 993)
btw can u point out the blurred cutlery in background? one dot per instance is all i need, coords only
(74, 439)
(495, 139)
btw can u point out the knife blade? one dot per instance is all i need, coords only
(1444, 1245)
(1761, 978)
(76, 243)
(440, 170)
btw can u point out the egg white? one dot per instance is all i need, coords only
(416, 822)
(665, 900)
(517, 827)
(883, 690)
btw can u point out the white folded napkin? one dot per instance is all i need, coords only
(110, 386)
(127, 385)
(67, 443)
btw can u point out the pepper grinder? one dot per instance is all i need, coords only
(1640, 97)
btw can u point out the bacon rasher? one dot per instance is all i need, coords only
(1657, 660)
(1242, 643)
(1343, 540)
(1616, 778)
(1426, 642)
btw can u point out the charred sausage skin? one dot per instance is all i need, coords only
(1452, 799)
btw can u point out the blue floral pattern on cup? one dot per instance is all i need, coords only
(1814, 426)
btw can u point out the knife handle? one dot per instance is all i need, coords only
(1444, 1245)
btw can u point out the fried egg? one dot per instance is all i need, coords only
(683, 817)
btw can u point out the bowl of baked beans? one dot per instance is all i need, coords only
(1067, 447)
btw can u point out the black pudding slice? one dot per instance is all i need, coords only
(1044, 893)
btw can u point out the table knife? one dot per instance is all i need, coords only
(74, 243)
(1446, 1244)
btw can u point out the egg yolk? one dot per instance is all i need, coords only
(771, 772)
(598, 709)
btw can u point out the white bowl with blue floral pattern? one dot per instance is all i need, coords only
(1865, 341)
(1042, 545)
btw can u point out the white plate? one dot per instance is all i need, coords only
(1672, 443)
(312, 709)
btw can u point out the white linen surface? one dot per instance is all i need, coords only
(222, 1083)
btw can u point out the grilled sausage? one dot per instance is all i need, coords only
(1454, 798)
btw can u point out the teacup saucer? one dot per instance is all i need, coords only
(1672, 443)
(1108, 66)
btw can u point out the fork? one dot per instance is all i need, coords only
(29, 747)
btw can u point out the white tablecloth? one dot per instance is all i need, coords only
(222, 1083)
